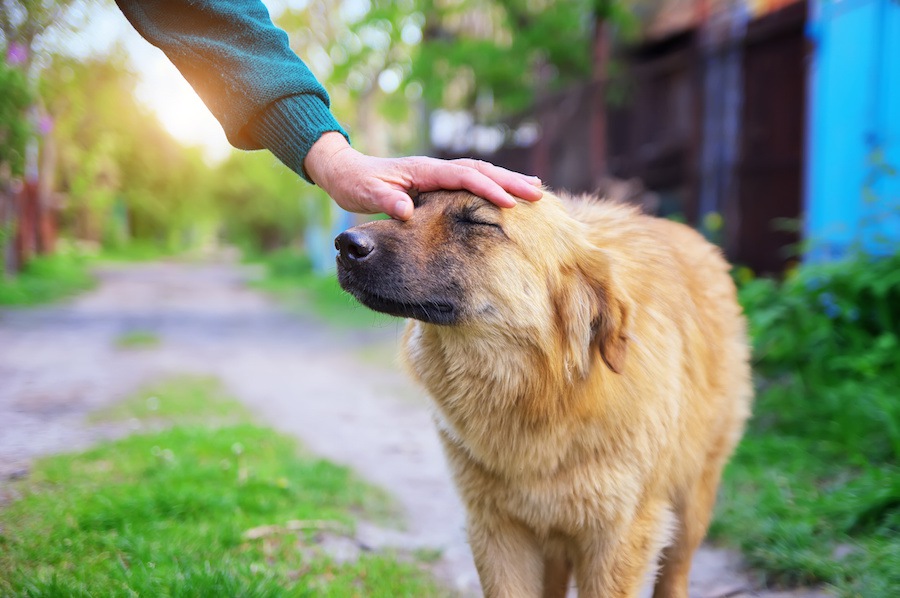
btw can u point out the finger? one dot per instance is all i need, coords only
(433, 174)
(484, 186)
(525, 186)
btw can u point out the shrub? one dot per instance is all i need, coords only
(813, 493)
(826, 342)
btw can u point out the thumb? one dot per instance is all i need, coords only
(396, 204)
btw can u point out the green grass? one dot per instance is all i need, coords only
(289, 276)
(45, 279)
(180, 399)
(802, 515)
(137, 339)
(167, 514)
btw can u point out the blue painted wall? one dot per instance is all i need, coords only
(853, 176)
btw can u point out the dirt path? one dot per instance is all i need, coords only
(337, 391)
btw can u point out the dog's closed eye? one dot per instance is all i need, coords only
(472, 217)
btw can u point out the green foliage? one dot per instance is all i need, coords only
(398, 60)
(25, 22)
(135, 250)
(131, 186)
(813, 494)
(517, 48)
(805, 518)
(45, 279)
(125, 177)
(167, 514)
(464, 51)
(826, 341)
(15, 128)
(263, 205)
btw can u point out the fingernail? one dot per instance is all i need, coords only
(403, 210)
(535, 180)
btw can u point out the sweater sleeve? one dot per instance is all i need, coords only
(243, 69)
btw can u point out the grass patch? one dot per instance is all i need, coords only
(290, 277)
(45, 279)
(802, 515)
(167, 514)
(182, 399)
(137, 339)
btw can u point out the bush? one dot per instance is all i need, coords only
(826, 341)
(813, 493)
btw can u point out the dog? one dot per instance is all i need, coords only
(589, 366)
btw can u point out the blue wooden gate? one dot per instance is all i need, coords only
(853, 178)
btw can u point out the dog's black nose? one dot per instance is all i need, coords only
(354, 245)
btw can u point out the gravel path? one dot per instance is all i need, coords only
(339, 392)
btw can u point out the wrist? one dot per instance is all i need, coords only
(321, 158)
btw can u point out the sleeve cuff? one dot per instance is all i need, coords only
(290, 126)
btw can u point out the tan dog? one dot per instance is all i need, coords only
(590, 371)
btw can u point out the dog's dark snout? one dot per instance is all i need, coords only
(354, 245)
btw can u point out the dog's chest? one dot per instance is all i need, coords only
(556, 473)
(551, 488)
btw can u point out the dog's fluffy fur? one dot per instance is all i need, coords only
(589, 368)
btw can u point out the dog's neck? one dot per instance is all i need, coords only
(485, 390)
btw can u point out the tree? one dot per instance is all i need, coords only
(14, 132)
(14, 123)
(398, 61)
(501, 52)
(262, 205)
(23, 23)
(123, 175)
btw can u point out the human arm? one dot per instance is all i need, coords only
(243, 69)
(264, 96)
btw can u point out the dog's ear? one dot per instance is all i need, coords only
(592, 313)
(609, 326)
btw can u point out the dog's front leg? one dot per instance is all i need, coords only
(509, 561)
(617, 561)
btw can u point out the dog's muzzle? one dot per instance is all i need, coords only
(376, 279)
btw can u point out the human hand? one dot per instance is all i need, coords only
(368, 185)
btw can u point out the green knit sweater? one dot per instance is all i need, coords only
(244, 70)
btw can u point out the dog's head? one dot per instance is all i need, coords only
(528, 274)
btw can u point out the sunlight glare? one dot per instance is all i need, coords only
(177, 105)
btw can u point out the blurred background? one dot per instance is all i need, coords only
(772, 126)
(767, 124)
